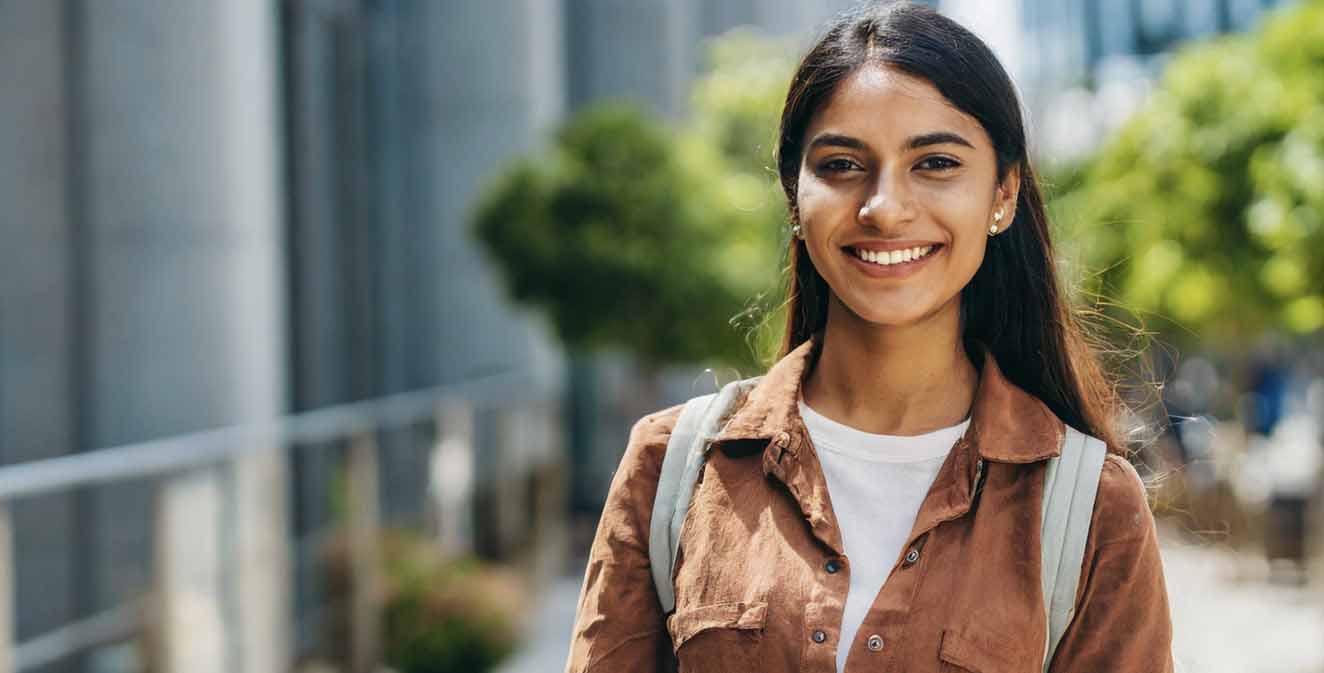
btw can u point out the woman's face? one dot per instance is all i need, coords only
(892, 172)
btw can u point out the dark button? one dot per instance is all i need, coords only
(875, 643)
(912, 556)
(832, 567)
(819, 636)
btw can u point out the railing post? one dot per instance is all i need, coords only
(451, 479)
(550, 523)
(6, 590)
(509, 455)
(262, 562)
(366, 582)
(189, 627)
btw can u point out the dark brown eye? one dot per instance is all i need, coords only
(938, 163)
(838, 166)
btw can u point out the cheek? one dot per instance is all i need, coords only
(963, 211)
(810, 197)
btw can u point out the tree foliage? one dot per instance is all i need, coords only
(660, 240)
(1207, 208)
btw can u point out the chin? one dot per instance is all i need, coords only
(897, 312)
(888, 318)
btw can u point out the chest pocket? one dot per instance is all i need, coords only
(719, 637)
(985, 652)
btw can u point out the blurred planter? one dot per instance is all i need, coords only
(438, 615)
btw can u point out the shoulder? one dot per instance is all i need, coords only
(652, 431)
(644, 450)
(1121, 507)
(629, 505)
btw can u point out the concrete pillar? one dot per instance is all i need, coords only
(788, 17)
(638, 49)
(435, 90)
(38, 322)
(182, 216)
(35, 319)
(182, 243)
(491, 85)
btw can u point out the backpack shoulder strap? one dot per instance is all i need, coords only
(698, 423)
(1070, 487)
(664, 503)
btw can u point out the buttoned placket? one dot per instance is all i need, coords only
(897, 591)
(783, 461)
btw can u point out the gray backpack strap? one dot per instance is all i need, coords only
(699, 422)
(1070, 486)
(679, 444)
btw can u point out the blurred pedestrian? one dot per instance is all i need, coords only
(874, 501)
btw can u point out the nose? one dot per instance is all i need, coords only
(889, 203)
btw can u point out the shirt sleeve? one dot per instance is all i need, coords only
(1122, 620)
(619, 625)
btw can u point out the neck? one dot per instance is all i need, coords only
(892, 380)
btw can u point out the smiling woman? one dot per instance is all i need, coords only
(880, 498)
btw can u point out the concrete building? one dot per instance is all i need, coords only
(216, 213)
(141, 227)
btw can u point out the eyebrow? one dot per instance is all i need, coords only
(936, 138)
(912, 143)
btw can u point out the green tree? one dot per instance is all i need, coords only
(1207, 207)
(662, 241)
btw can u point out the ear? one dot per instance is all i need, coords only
(1007, 194)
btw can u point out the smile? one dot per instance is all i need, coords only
(891, 263)
(888, 258)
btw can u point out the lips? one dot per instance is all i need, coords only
(893, 255)
(897, 261)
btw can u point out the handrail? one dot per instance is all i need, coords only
(99, 629)
(182, 452)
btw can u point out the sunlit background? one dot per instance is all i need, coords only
(323, 322)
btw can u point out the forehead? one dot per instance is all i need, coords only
(879, 103)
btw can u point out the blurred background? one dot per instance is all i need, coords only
(323, 322)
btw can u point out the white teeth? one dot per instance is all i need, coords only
(893, 257)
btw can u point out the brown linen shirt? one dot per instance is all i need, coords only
(761, 579)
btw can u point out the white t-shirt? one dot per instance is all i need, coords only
(876, 483)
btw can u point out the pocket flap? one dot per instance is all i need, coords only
(986, 653)
(685, 624)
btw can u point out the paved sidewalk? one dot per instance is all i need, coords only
(1227, 618)
(549, 644)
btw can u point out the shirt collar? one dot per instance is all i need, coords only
(1007, 424)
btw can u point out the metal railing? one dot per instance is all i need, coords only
(221, 569)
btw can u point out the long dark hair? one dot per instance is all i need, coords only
(1013, 306)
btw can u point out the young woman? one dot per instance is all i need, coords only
(874, 503)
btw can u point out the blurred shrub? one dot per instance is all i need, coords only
(447, 617)
(1208, 207)
(660, 240)
(439, 615)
